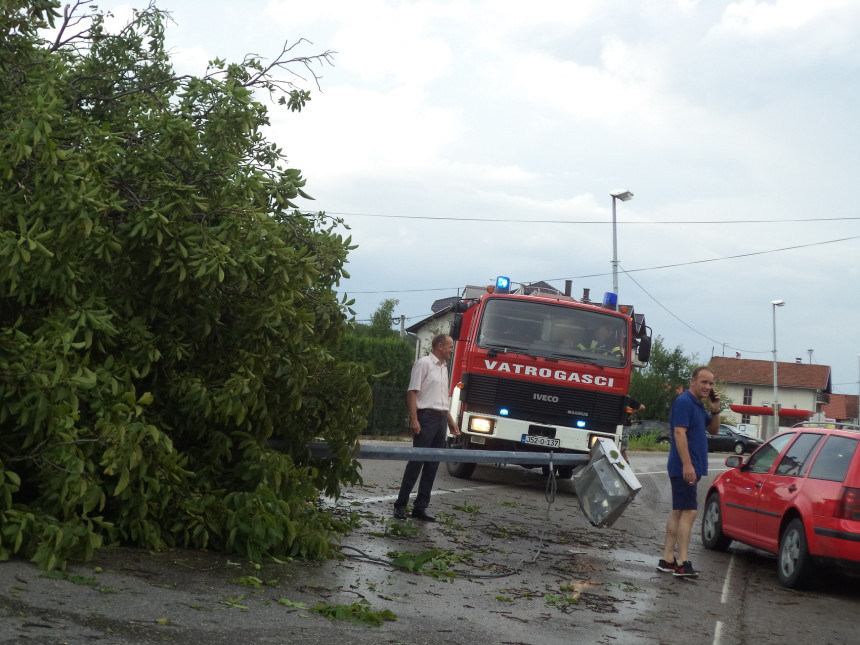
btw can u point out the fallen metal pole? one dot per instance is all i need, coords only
(408, 453)
(604, 487)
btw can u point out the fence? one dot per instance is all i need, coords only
(389, 415)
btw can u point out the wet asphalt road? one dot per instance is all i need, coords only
(513, 565)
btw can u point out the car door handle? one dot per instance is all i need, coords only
(758, 484)
(792, 488)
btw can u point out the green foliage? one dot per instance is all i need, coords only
(382, 319)
(253, 581)
(390, 360)
(434, 562)
(236, 603)
(289, 603)
(560, 602)
(62, 575)
(406, 529)
(667, 375)
(647, 442)
(358, 612)
(165, 311)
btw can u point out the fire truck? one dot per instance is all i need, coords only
(541, 372)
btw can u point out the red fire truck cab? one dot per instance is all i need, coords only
(541, 372)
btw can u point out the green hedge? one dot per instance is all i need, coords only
(391, 361)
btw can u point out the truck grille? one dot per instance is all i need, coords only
(543, 403)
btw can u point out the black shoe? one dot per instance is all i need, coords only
(421, 514)
(686, 570)
(399, 513)
(667, 567)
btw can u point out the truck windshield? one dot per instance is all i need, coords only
(553, 330)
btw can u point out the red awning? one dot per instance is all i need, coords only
(763, 410)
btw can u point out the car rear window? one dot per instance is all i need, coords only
(834, 459)
(796, 458)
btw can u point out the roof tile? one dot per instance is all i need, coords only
(754, 372)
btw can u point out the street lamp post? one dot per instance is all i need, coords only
(624, 196)
(775, 304)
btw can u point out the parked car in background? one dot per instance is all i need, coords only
(730, 440)
(797, 496)
(642, 427)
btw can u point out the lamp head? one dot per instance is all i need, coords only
(623, 195)
(777, 303)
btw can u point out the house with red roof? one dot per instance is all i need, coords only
(843, 407)
(803, 390)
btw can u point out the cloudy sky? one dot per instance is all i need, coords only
(464, 139)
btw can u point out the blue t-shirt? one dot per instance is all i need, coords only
(688, 412)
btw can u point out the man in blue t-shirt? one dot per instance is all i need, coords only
(688, 462)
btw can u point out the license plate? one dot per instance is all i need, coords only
(545, 442)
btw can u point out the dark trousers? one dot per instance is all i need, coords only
(432, 435)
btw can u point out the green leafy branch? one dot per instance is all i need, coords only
(434, 563)
(358, 612)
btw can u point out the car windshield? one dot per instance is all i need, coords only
(553, 331)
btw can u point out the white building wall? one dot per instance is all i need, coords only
(424, 336)
(796, 398)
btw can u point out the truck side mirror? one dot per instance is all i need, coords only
(457, 326)
(643, 351)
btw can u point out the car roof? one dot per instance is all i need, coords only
(844, 429)
(852, 477)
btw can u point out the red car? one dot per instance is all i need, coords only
(797, 496)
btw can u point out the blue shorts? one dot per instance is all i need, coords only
(684, 497)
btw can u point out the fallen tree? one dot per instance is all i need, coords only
(165, 309)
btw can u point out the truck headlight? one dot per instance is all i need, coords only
(480, 424)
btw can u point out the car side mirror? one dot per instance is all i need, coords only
(735, 461)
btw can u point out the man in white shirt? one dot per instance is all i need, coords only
(428, 401)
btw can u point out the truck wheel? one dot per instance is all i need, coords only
(458, 469)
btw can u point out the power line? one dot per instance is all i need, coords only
(687, 325)
(654, 268)
(557, 221)
(728, 257)
(645, 291)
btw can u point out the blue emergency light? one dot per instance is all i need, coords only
(503, 285)
(610, 300)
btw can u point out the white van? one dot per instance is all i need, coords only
(749, 429)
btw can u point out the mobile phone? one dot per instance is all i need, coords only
(713, 395)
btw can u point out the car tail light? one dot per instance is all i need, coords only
(848, 506)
